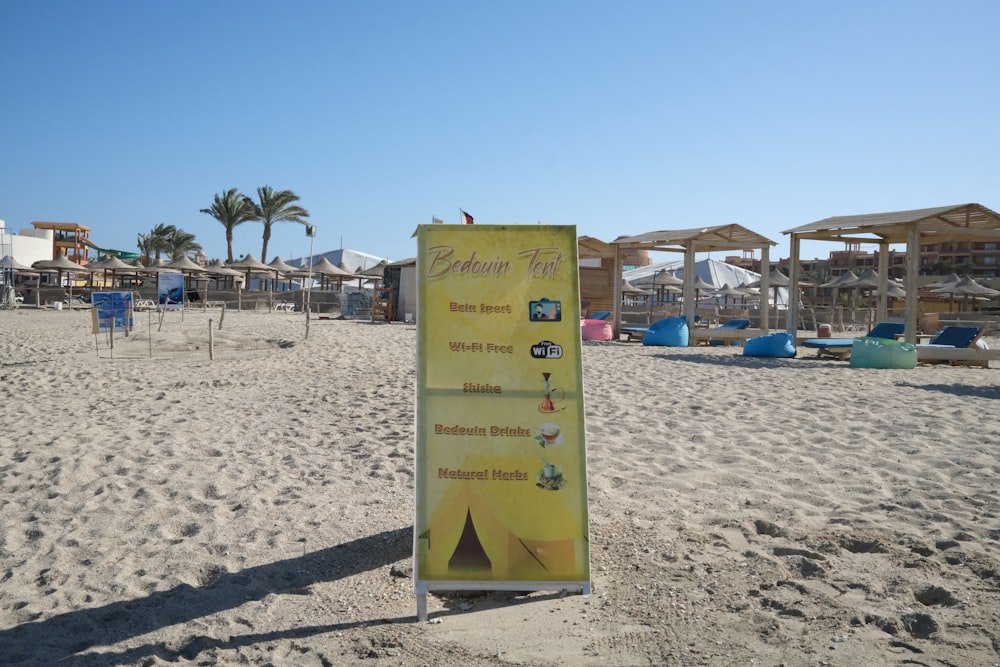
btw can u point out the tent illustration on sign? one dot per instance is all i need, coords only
(492, 531)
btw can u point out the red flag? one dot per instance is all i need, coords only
(466, 218)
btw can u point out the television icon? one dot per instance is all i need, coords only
(544, 310)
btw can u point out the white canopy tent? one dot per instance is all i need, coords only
(712, 271)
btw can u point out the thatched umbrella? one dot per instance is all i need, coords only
(9, 262)
(60, 265)
(280, 267)
(327, 270)
(970, 289)
(114, 265)
(250, 264)
(661, 282)
(377, 271)
(947, 281)
(701, 285)
(9, 265)
(184, 264)
(726, 291)
(776, 279)
(841, 280)
(629, 288)
(837, 284)
(868, 279)
(221, 272)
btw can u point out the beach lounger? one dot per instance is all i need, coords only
(841, 347)
(731, 325)
(638, 333)
(949, 339)
(954, 337)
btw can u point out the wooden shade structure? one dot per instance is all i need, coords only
(963, 222)
(720, 238)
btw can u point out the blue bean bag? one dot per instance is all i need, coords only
(671, 332)
(868, 352)
(780, 344)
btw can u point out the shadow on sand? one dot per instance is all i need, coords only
(58, 640)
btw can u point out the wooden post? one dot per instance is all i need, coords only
(211, 342)
(97, 330)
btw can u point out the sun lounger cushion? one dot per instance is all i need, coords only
(869, 352)
(596, 330)
(887, 330)
(671, 332)
(954, 337)
(731, 324)
(780, 344)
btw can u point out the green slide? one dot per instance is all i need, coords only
(120, 254)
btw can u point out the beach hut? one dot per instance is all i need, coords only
(963, 222)
(690, 242)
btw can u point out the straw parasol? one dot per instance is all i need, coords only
(60, 265)
(9, 262)
(948, 281)
(113, 264)
(867, 280)
(968, 288)
(842, 280)
(280, 265)
(219, 270)
(377, 271)
(726, 291)
(701, 285)
(892, 290)
(184, 264)
(776, 279)
(629, 288)
(661, 282)
(249, 264)
(326, 270)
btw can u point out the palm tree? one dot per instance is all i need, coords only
(145, 243)
(156, 242)
(273, 207)
(231, 209)
(181, 243)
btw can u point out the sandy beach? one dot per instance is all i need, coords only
(257, 509)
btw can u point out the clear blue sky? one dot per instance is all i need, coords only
(618, 117)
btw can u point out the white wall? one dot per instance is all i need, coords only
(407, 291)
(28, 249)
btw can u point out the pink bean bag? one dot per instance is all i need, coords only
(596, 330)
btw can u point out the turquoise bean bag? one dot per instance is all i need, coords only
(868, 352)
(780, 344)
(671, 332)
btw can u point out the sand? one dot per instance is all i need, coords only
(257, 509)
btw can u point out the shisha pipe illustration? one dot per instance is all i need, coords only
(547, 405)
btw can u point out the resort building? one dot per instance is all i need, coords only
(68, 238)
